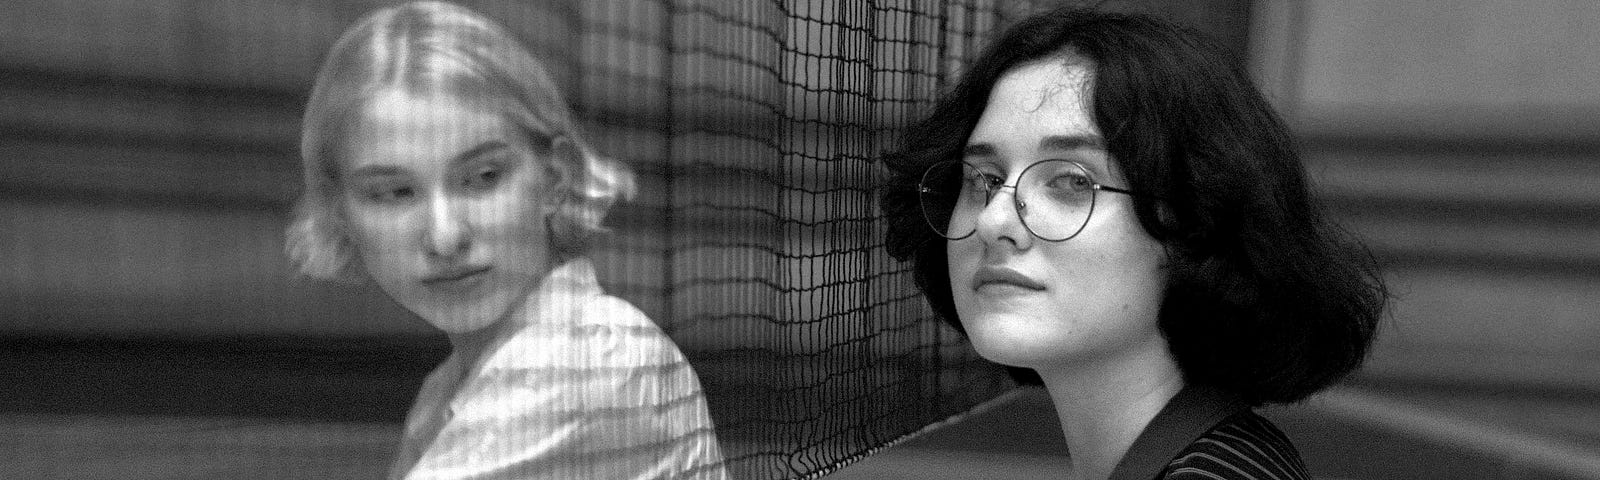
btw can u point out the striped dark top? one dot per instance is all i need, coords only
(1243, 447)
(1208, 433)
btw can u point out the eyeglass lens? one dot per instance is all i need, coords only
(1053, 198)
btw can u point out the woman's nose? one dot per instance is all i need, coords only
(1000, 222)
(447, 231)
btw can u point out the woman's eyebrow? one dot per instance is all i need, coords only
(477, 150)
(368, 171)
(1089, 142)
(979, 150)
(1072, 142)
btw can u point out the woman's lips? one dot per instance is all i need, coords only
(451, 276)
(1004, 277)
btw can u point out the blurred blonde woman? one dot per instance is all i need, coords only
(442, 164)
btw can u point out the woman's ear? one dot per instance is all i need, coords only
(574, 213)
(1167, 221)
(1166, 217)
(561, 158)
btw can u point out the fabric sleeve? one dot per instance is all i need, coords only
(611, 397)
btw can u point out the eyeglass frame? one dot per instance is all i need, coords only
(1016, 201)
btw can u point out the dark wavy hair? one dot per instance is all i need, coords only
(1264, 297)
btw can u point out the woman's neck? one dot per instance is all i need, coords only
(470, 348)
(1104, 403)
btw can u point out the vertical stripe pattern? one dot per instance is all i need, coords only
(588, 388)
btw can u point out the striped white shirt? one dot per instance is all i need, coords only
(590, 388)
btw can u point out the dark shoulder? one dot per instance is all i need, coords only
(1244, 446)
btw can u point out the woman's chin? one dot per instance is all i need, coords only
(458, 327)
(1017, 347)
(455, 316)
(460, 321)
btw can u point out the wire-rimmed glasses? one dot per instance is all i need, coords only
(1053, 198)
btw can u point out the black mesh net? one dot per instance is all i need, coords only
(757, 126)
(754, 239)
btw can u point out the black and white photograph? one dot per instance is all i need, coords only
(799, 239)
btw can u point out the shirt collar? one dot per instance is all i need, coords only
(555, 306)
(556, 300)
(1191, 413)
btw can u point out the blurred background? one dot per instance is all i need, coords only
(151, 328)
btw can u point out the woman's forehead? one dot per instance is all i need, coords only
(1038, 110)
(403, 129)
(1034, 103)
(1055, 83)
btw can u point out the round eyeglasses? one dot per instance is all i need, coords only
(1054, 198)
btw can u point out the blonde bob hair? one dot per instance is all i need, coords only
(433, 48)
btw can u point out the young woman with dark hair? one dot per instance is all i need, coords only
(1105, 201)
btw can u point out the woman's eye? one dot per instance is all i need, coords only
(986, 181)
(1071, 182)
(981, 182)
(482, 179)
(390, 194)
